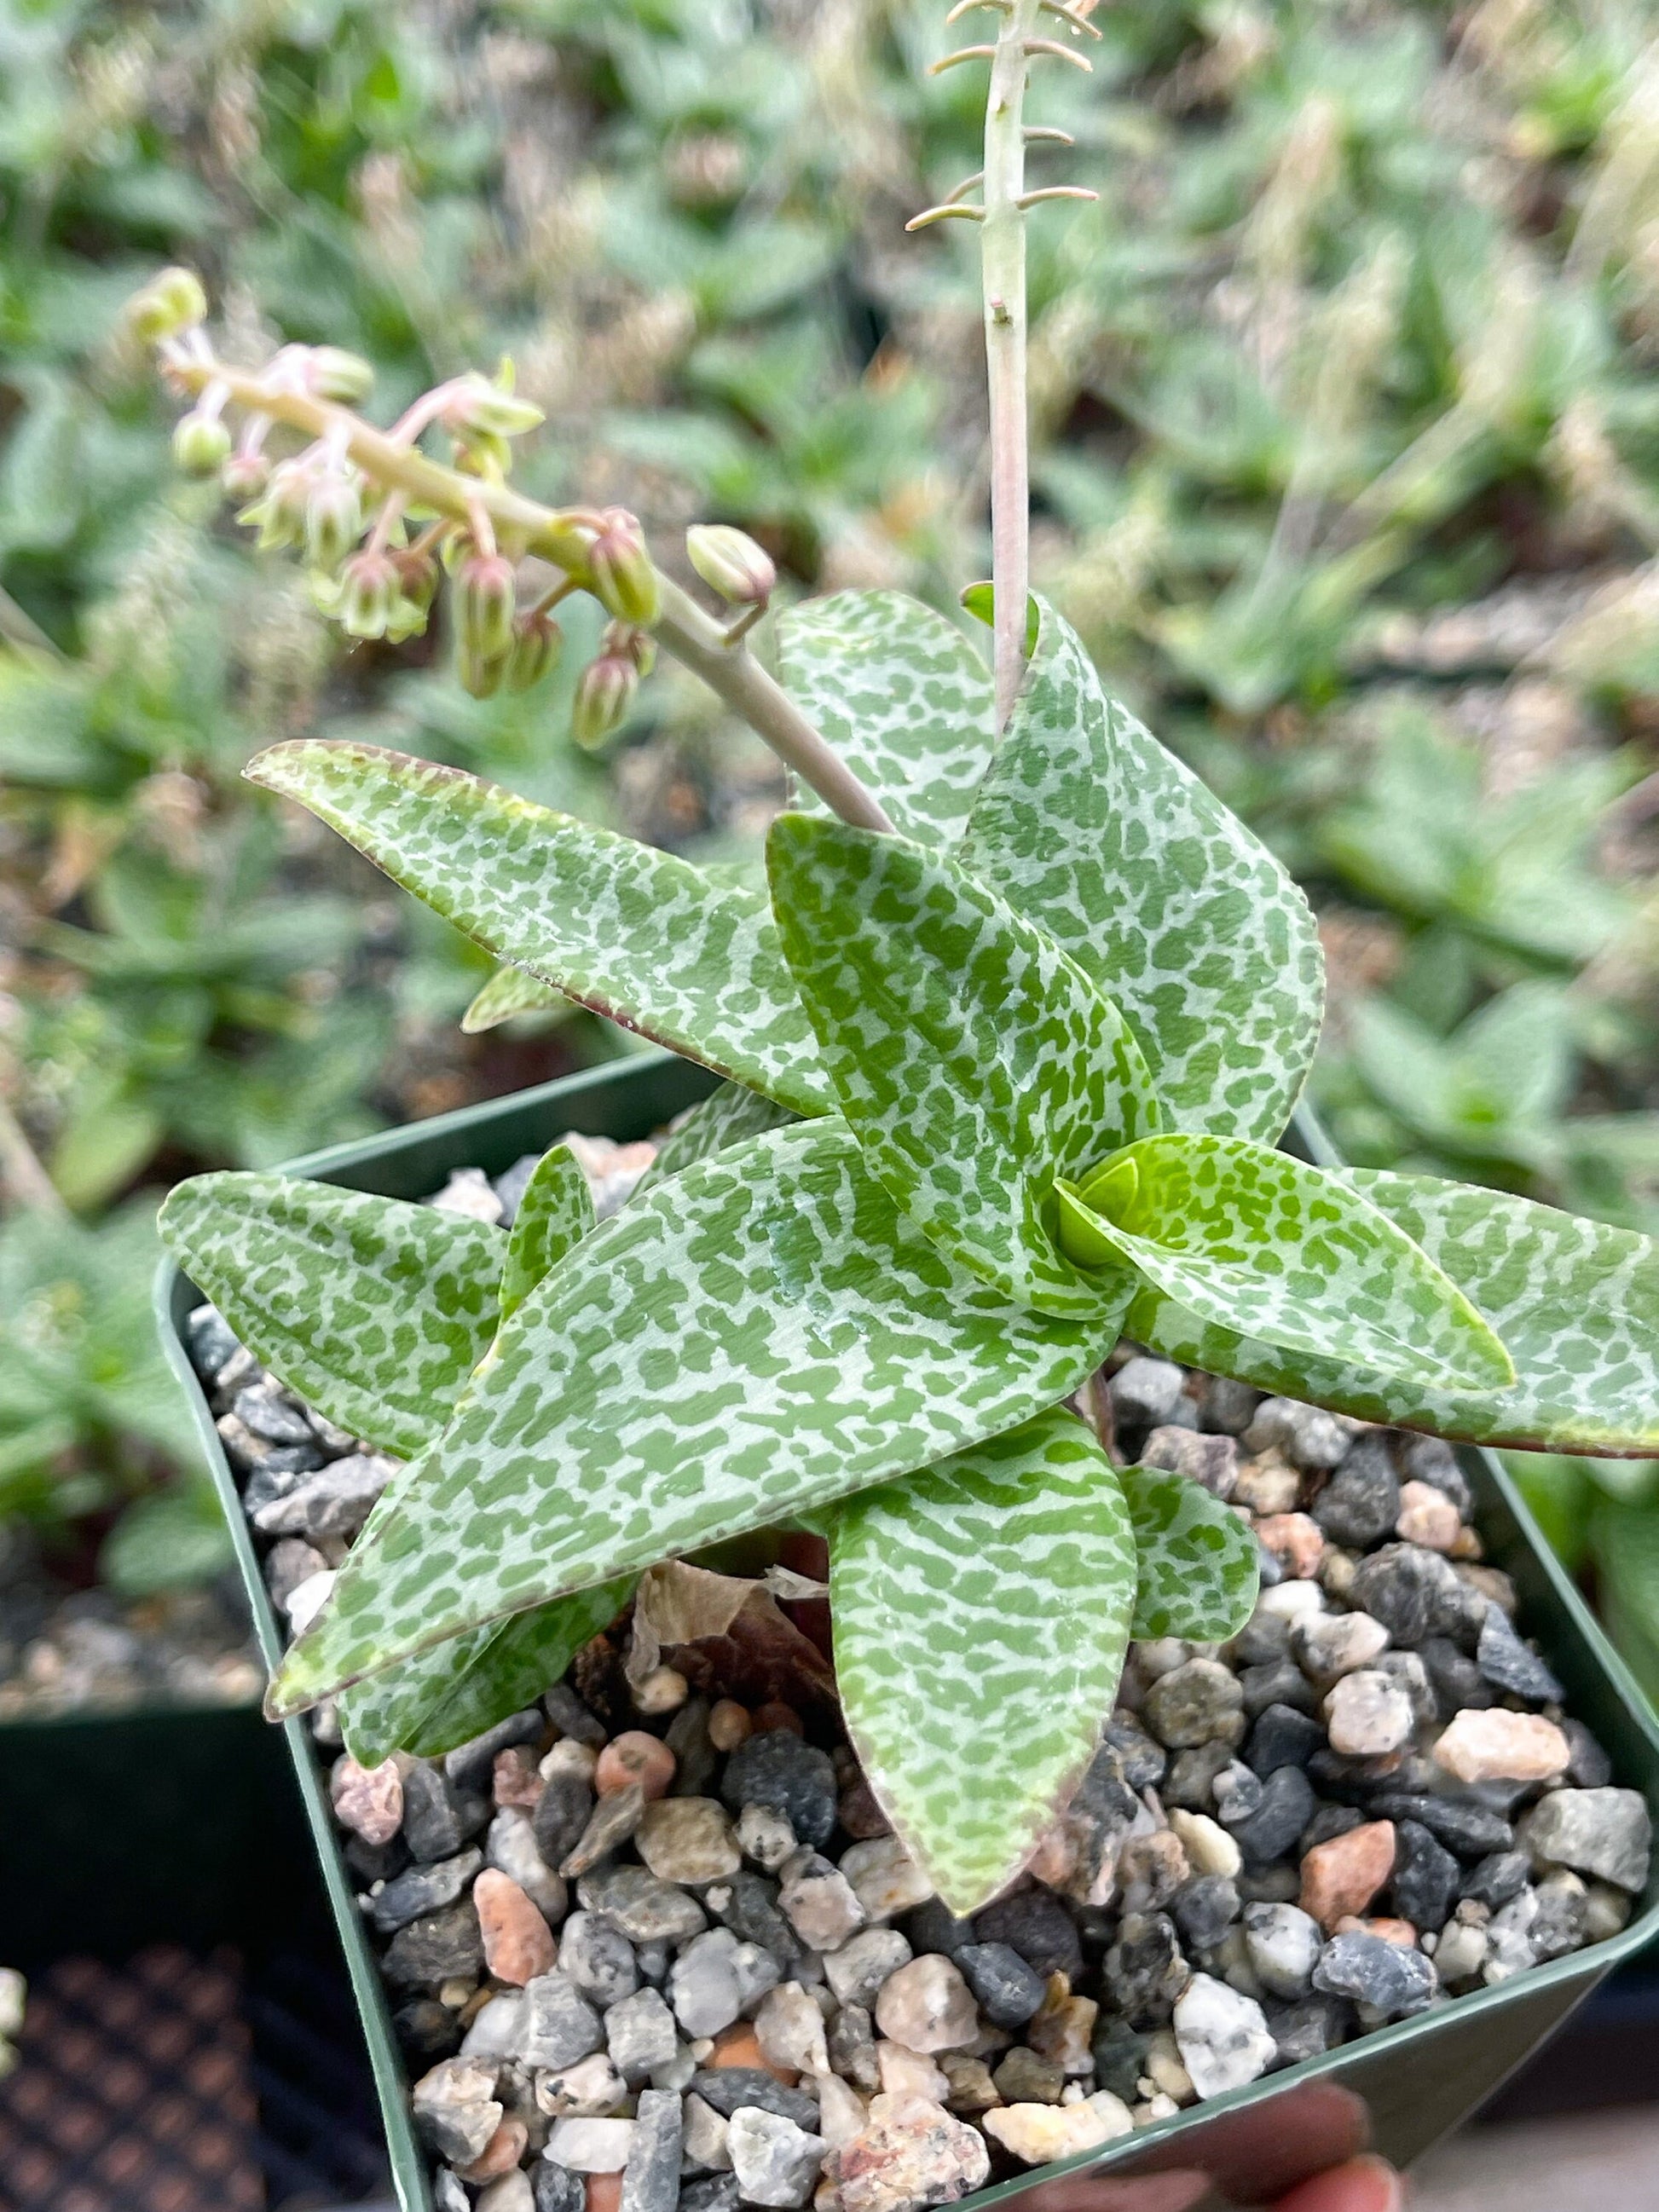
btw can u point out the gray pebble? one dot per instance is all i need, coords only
(697, 1762)
(1413, 1592)
(774, 2162)
(1373, 1972)
(1430, 1459)
(1360, 1503)
(437, 1819)
(561, 2026)
(612, 1822)
(557, 2189)
(1589, 1767)
(1141, 1762)
(651, 2178)
(1212, 1461)
(857, 1971)
(270, 1413)
(445, 1947)
(715, 2192)
(1203, 1909)
(747, 1904)
(1282, 1736)
(639, 2033)
(1144, 1391)
(571, 1718)
(714, 1977)
(1286, 1806)
(471, 1766)
(422, 1890)
(1237, 1793)
(724, 2088)
(1311, 2026)
(1458, 1684)
(1498, 1878)
(1426, 1877)
(1032, 1922)
(1008, 1990)
(1022, 2077)
(1198, 1702)
(1463, 1826)
(1310, 1439)
(1190, 1786)
(598, 1958)
(211, 1338)
(1558, 1924)
(646, 1910)
(1228, 1407)
(335, 1501)
(1279, 1682)
(1143, 1972)
(1508, 1662)
(1604, 1832)
(777, 1768)
(1119, 2056)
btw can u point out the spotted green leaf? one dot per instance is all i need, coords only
(729, 1116)
(1246, 1237)
(634, 933)
(1198, 1563)
(1577, 1304)
(555, 1212)
(375, 1311)
(509, 990)
(973, 1060)
(981, 1611)
(758, 1336)
(901, 695)
(1086, 824)
(447, 1695)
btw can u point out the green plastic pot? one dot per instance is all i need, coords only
(1404, 2086)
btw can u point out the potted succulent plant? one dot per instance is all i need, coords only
(1003, 1048)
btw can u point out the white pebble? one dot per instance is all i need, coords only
(1222, 2036)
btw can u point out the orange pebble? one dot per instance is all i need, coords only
(728, 1724)
(499, 2155)
(603, 2192)
(774, 1714)
(1400, 1933)
(518, 1944)
(635, 1756)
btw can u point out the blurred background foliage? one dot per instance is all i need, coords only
(1346, 467)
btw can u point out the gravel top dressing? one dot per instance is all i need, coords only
(650, 1944)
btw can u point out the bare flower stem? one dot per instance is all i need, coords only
(692, 636)
(1002, 263)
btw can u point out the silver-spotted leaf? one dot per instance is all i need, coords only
(455, 1691)
(1085, 823)
(632, 932)
(730, 1115)
(981, 1611)
(556, 1212)
(1254, 1240)
(510, 991)
(901, 695)
(974, 1061)
(375, 1311)
(758, 1336)
(1198, 1565)
(1576, 1303)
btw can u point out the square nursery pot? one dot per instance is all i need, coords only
(1406, 2084)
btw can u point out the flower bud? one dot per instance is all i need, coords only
(730, 562)
(201, 442)
(484, 606)
(475, 404)
(368, 593)
(482, 454)
(333, 373)
(280, 516)
(536, 649)
(480, 673)
(623, 642)
(602, 698)
(170, 302)
(334, 520)
(624, 581)
(417, 577)
(245, 476)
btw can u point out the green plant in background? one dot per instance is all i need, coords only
(1030, 1007)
